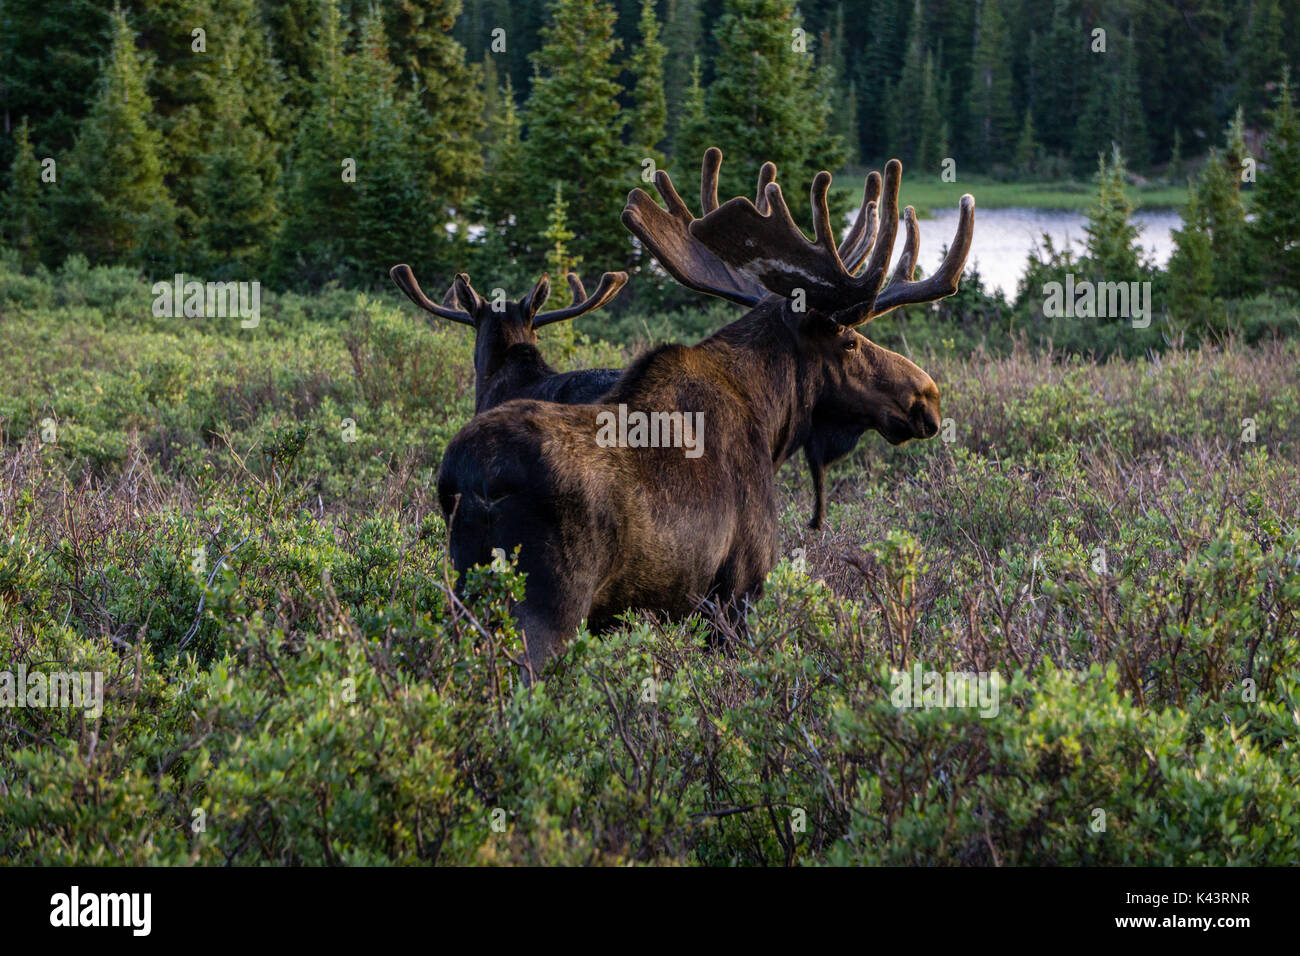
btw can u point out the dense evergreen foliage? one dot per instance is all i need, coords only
(461, 116)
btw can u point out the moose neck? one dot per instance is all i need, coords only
(771, 375)
(505, 352)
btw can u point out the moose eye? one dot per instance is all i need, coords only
(850, 344)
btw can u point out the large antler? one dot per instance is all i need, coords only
(462, 293)
(608, 287)
(666, 233)
(768, 247)
(405, 279)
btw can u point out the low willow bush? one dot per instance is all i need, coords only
(288, 678)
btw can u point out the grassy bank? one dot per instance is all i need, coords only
(288, 681)
(928, 193)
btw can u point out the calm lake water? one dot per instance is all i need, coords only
(1004, 237)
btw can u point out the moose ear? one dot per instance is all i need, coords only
(464, 293)
(537, 298)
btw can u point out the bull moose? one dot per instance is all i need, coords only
(601, 527)
(666, 233)
(507, 362)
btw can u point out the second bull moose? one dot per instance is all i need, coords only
(605, 527)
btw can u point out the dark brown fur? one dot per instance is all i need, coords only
(507, 361)
(601, 530)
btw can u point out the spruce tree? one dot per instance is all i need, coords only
(1112, 238)
(763, 103)
(114, 206)
(503, 184)
(1027, 146)
(559, 260)
(50, 56)
(192, 83)
(1191, 268)
(24, 206)
(879, 67)
(1276, 227)
(650, 113)
(1055, 65)
(693, 135)
(359, 198)
(237, 197)
(906, 128)
(993, 123)
(448, 91)
(682, 37)
(1262, 57)
(573, 125)
(932, 147)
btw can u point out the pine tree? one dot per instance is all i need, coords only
(188, 82)
(1112, 237)
(1191, 268)
(693, 134)
(116, 207)
(23, 206)
(1027, 146)
(1262, 54)
(992, 117)
(359, 198)
(763, 105)
(448, 91)
(650, 113)
(574, 129)
(50, 55)
(683, 32)
(1276, 227)
(238, 194)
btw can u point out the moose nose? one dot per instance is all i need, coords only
(925, 423)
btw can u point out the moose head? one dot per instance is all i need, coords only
(746, 252)
(507, 362)
(604, 526)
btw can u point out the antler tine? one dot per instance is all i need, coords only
(883, 247)
(576, 292)
(911, 248)
(608, 287)
(666, 234)
(709, 179)
(405, 279)
(944, 281)
(766, 174)
(867, 242)
(857, 243)
(823, 231)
